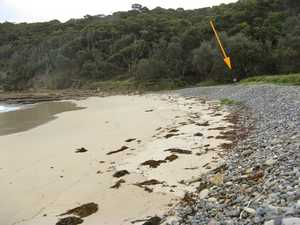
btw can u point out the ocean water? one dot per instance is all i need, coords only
(8, 108)
(19, 118)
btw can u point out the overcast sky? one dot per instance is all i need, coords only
(44, 10)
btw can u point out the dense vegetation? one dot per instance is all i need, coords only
(149, 47)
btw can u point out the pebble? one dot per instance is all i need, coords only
(250, 210)
(203, 194)
(263, 170)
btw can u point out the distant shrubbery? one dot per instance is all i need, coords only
(153, 47)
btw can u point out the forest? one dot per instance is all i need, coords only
(149, 47)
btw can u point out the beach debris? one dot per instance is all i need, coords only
(147, 189)
(153, 221)
(130, 140)
(173, 130)
(218, 128)
(189, 198)
(101, 162)
(120, 173)
(170, 135)
(171, 158)
(83, 210)
(81, 150)
(198, 134)
(149, 110)
(204, 124)
(149, 182)
(72, 220)
(153, 163)
(123, 148)
(179, 151)
(192, 168)
(118, 184)
(227, 146)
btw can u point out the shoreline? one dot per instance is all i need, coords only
(93, 163)
(33, 97)
(260, 179)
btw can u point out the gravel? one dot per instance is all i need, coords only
(262, 175)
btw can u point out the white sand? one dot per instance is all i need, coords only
(42, 177)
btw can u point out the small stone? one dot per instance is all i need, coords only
(229, 183)
(291, 221)
(212, 199)
(218, 179)
(270, 162)
(204, 193)
(250, 210)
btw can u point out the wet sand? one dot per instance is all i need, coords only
(133, 157)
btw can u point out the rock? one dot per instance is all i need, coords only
(291, 221)
(284, 221)
(270, 162)
(298, 204)
(233, 213)
(217, 179)
(250, 210)
(212, 199)
(204, 193)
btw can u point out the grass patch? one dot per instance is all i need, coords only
(292, 79)
(227, 101)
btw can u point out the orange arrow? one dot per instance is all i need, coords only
(226, 58)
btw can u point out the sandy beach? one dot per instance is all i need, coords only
(118, 160)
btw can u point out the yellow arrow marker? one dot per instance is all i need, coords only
(226, 58)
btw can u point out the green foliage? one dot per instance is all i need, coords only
(292, 79)
(159, 48)
(230, 102)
